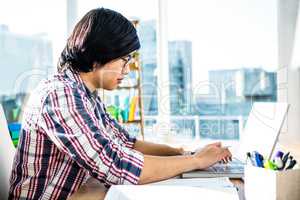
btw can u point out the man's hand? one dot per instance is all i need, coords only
(211, 154)
(226, 159)
(157, 168)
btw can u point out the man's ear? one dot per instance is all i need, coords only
(96, 65)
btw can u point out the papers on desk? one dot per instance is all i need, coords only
(175, 189)
(222, 182)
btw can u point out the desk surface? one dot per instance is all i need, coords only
(94, 191)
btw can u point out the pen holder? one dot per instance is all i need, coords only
(266, 184)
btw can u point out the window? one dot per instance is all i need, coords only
(31, 38)
(222, 58)
(30, 43)
(146, 13)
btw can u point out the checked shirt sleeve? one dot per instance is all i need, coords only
(120, 132)
(71, 123)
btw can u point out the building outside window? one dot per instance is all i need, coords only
(222, 57)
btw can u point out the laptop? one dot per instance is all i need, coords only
(260, 134)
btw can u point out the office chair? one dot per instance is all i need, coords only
(7, 152)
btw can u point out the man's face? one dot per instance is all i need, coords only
(111, 74)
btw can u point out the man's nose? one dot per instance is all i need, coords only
(126, 69)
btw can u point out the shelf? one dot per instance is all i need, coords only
(132, 122)
(136, 69)
(127, 87)
(134, 66)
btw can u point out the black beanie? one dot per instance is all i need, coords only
(100, 36)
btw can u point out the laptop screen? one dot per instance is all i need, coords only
(262, 128)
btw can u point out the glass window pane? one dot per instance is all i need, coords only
(223, 57)
(32, 34)
(146, 13)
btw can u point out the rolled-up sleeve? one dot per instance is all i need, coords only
(71, 123)
(120, 132)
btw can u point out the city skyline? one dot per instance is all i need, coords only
(180, 71)
(220, 38)
(236, 97)
(26, 59)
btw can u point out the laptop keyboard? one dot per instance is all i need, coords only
(233, 167)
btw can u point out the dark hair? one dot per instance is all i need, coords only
(100, 36)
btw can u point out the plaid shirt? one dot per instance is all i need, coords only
(66, 137)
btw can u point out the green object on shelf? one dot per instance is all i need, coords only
(113, 111)
(124, 114)
(15, 113)
(15, 134)
(125, 110)
(15, 142)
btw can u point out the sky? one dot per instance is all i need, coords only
(224, 34)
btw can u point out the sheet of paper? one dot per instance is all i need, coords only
(163, 192)
(222, 182)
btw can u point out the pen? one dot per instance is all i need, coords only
(288, 162)
(279, 154)
(291, 165)
(258, 159)
(284, 159)
(270, 165)
(278, 162)
(253, 159)
(250, 158)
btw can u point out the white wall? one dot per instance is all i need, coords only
(289, 74)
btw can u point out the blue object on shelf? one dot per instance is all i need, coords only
(14, 129)
(15, 126)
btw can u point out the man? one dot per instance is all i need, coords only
(68, 137)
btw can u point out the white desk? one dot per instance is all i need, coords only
(177, 189)
(95, 191)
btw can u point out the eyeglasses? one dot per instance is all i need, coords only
(127, 60)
